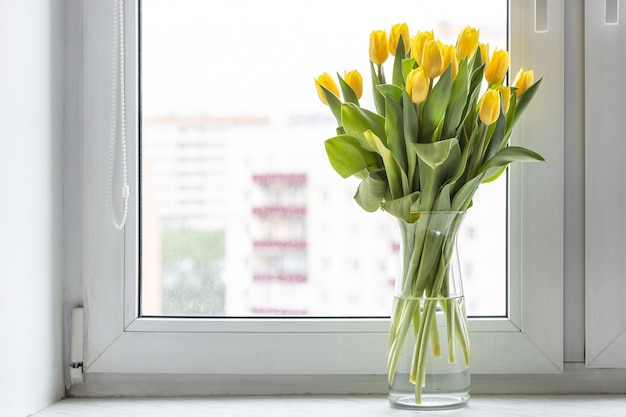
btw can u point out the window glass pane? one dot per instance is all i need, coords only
(241, 213)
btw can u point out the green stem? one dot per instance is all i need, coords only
(428, 246)
(381, 74)
(450, 326)
(462, 333)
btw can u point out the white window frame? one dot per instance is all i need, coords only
(605, 180)
(319, 352)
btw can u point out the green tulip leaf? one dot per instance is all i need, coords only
(524, 99)
(495, 176)
(395, 176)
(437, 163)
(347, 91)
(347, 156)
(458, 100)
(463, 198)
(411, 130)
(390, 90)
(408, 65)
(397, 78)
(334, 103)
(356, 121)
(442, 202)
(506, 156)
(497, 138)
(438, 131)
(395, 136)
(477, 77)
(404, 207)
(379, 100)
(435, 105)
(372, 190)
(478, 69)
(510, 116)
(470, 117)
(435, 154)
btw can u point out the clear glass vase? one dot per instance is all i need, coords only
(428, 354)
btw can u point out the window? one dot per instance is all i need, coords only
(232, 148)
(605, 180)
(119, 341)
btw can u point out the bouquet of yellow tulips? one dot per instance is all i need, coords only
(441, 128)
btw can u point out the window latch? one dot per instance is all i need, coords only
(76, 347)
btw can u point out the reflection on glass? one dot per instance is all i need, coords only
(241, 214)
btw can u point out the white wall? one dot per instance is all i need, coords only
(31, 110)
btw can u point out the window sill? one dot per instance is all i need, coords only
(345, 406)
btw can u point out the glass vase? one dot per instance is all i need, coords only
(428, 353)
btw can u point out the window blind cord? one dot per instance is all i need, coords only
(118, 81)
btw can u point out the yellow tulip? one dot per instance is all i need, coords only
(467, 42)
(497, 67)
(449, 58)
(432, 60)
(417, 45)
(397, 30)
(379, 50)
(506, 96)
(523, 80)
(326, 81)
(417, 84)
(355, 81)
(489, 107)
(484, 52)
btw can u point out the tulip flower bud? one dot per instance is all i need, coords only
(506, 96)
(326, 81)
(489, 107)
(467, 42)
(379, 50)
(417, 45)
(397, 30)
(417, 84)
(432, 60)
(449, 58)
(355, 81)
(497, 67)
(484, 52)
(523, 80)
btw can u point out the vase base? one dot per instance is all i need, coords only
(430, 402)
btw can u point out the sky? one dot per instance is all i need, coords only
(206, 57)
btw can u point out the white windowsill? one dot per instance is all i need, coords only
(330, 406)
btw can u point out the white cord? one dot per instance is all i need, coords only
(118, 81)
